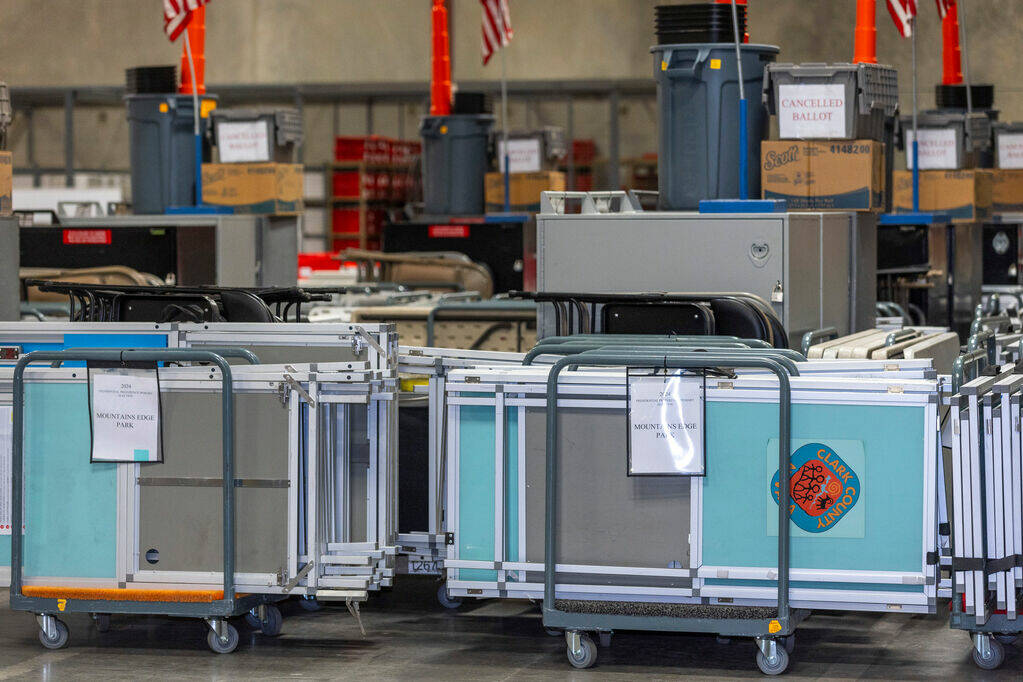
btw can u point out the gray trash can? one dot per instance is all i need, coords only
(455, 151)
(163, 150)
(698, 105)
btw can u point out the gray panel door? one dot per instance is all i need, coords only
(181, 509)
(604, 516)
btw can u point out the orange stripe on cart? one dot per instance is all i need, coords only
(114, 594)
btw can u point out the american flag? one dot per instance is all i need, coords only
(497, 30)
(902, 12)
(177, 14)
(944, 6)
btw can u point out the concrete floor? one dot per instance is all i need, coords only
(409, 637)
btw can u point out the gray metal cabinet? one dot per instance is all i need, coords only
(816, 269)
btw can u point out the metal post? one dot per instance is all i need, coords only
(916, 139)
(570, 136)
(69, 138)
(32, 162)
(612, 146)
(950, 264)
(964, 54)
(743, 113)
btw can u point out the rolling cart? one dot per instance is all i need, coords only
(772, 628)
(78, 595)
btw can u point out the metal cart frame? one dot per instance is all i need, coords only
(768, 632)
(223, 637)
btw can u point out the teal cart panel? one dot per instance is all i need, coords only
(475, 537)
(883, 531)
(70, 503)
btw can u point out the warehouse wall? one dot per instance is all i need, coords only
(91, 42)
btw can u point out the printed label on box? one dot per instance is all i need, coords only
(1010, 150)
(243, 141)
(523, 155)
(937, 149)
(811, 111)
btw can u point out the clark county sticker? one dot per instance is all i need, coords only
(822, 487)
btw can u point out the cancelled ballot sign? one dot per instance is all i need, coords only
(666, 425)
(124, 408)
(811, 111)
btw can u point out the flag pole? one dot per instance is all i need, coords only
(504, 125)
(916, 137)
(195, 119)
(743, 113)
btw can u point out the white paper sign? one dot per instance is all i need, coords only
(523, 155)
(243, 141)
(937, 149)
(6, 447)
(666, 434)
(811, 111)
(125, 412)
(1010, 150)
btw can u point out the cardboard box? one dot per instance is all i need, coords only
(1006, 190)
(964, 194)
(524, 188)
(254, 187)
(6, 180)
(845, 175)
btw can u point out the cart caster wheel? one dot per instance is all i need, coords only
(310, 604)
(789, 642)
(252, 620)
(219, 646)
(274, 622)
(446, 601)
(588, 655)
(102, 621)
(1007, 638)
(605, 639)
(776, 666)
(59, 639)
(553, 632)
(995, 657)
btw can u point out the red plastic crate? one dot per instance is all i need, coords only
(372, 149)
(353, 184)
(382, 185)
(583, 152)
(319, 260)
(346, 221)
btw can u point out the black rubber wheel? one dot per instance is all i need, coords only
(252, 620)
(588, 655)
(554, 632)
(1007, 638)
(310, 604)
(274, 622)
(789, 642)
(996, 655)
(446, 601)
(605, 639)
(776, 667)
(59, 641)
(222, 647)
(102, 621)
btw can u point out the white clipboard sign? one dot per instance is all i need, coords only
(666, 420)
(124, 415)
